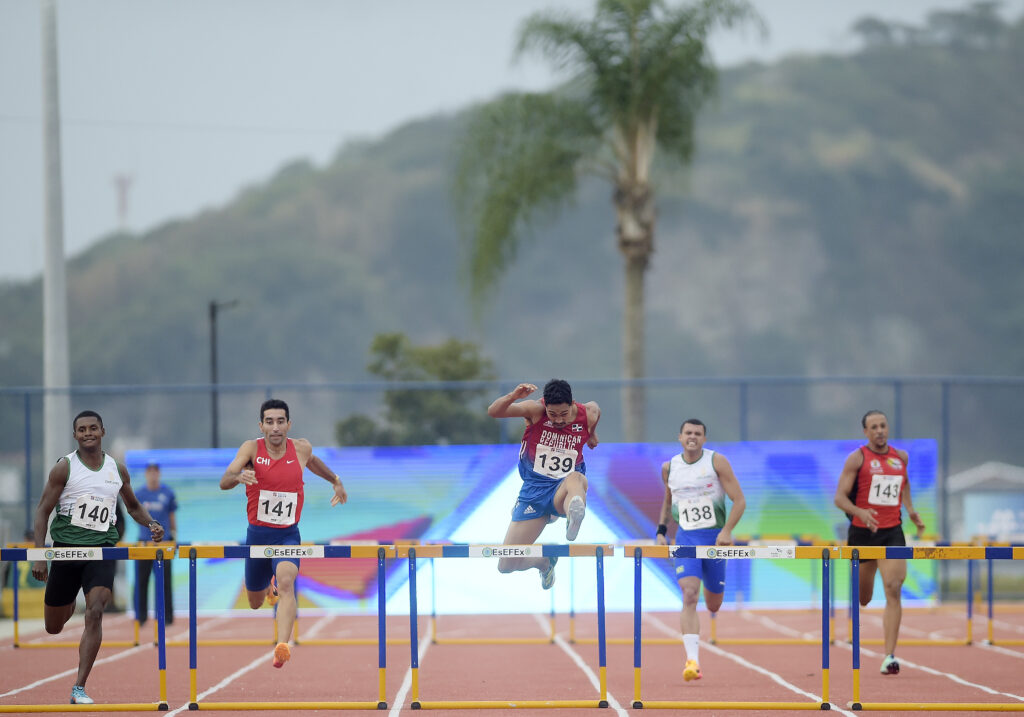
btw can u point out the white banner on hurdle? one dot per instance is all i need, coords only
(64, 553)
(505, 551)
(732, 552)
(286, 551)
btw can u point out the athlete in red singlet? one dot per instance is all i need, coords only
(551, 465)
(872, 488)
(271, 469)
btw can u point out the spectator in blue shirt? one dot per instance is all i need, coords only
(161, 504)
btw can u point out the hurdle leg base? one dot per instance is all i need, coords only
(638, 705)
(826, 705)
(855, 706)
(162, 707)
(415, 705)
(602, 703)
(193, 706)
(382, 705)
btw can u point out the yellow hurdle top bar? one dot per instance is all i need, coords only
(504, 551)
(361, 550)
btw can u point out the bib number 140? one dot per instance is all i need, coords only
(277, 507)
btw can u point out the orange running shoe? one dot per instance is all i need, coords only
(272, 593)
(691, 671)
(282, 653)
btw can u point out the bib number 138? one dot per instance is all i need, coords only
(696, 513)
(277, 507)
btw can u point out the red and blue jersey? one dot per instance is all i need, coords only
(550, 453)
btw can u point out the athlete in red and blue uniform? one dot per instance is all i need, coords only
(271, 469)
(551, 465)
(872, 489)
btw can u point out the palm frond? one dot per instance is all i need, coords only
(519, 156)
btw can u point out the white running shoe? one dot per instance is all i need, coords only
(547, 577)
(574, 517)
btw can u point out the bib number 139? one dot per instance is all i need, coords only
(554, 462)
(277, 507)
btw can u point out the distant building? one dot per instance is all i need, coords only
(987, 501)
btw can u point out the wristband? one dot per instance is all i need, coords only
(662, 529)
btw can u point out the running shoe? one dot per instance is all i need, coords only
(890, 666)
(78, 696)
(282, 653)
(691, 671)
(272, 595)
(547, 577)
(574, 517)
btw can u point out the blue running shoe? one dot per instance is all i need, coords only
(78, 696)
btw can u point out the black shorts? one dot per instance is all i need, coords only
(863, 537)
(67, 577)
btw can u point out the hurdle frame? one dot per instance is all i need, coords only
(855, 554)
(638, 552)
(156, 553)
(597, 551)
(381, 552)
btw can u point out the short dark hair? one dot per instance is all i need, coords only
(557, 391)
(87, 414)
(694, 422)
(274, 403)
(872, 412)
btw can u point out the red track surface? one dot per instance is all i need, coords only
(563, 671)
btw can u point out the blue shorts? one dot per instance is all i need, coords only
(536, 500)
(710, 571)
(258, 571)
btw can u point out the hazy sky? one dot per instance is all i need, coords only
(195, 99)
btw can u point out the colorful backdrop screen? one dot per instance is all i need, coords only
(465, 494)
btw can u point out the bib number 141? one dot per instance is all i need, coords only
(277, 507)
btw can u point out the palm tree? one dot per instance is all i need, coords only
(640, 72)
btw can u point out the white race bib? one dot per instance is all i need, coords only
(553, 462)
(277, 507)
(696, 512)
(94, 513)
(885, 489)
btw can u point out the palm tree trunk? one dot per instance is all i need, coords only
(634, 206)
(633, 330)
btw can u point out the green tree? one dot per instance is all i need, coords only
(425, 416)
(641, 71)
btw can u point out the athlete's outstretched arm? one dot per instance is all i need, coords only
(731, 486)
(317, 466)
(236, 472)
(507, 407)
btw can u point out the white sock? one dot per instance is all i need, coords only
(691, 641)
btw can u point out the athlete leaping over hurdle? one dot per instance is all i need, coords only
(551, 465)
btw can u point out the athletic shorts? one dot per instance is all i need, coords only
(863, 537)
(711, 571)
(536, 500)
(258, 571)
(67, 577)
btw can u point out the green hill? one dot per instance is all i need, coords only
(844, 215)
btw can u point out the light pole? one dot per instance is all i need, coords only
(214, 307)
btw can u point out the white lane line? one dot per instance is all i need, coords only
(113, 658)
(396, 708)
(542, 620)
(939, 673)
(1001, 650)
(261, 660)
(775, 677)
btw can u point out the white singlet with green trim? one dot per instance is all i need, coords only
(87, 511)
(698, 500)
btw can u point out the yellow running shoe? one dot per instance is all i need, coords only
(691, 671)
(282, 653)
